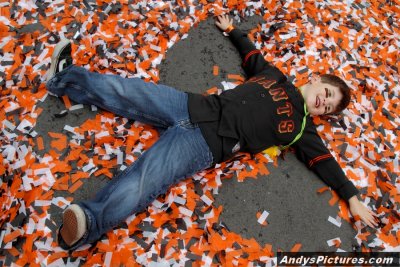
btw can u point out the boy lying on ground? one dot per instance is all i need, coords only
(199, 131)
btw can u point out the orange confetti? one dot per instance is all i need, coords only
(215, 70)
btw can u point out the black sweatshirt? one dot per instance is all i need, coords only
(264, 111)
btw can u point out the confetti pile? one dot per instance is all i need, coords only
(356, 40)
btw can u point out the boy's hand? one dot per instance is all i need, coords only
(359, 209)
(223, 22)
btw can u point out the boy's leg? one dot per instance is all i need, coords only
(133, 98)
(180, 152)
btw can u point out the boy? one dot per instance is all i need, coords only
(199, 131)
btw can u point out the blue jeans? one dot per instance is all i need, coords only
(180, 152)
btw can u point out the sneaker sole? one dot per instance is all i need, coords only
(55, 56)
(74, 224)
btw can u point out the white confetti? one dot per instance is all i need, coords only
(263, 217)
(336, 221)
(185, 211)
(332, 242)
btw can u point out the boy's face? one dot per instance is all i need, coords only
(321, 98)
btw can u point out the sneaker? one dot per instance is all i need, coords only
(61, 58)
(74, 225)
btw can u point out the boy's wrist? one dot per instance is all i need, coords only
(353, 199)
(229, 29)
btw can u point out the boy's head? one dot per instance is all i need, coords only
(326, 95)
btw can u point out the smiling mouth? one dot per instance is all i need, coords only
(317, 101)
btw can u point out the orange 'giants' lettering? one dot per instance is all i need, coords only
(267, 83)
(255, 79)
(262, 81)
(286, 126)
(286, 109)
(278, 94)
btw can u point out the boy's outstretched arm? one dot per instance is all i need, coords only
(311, 150)
(253, 60)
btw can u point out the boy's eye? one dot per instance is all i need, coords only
(326, 92)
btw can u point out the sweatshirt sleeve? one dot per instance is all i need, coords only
(253, 61)
(311, 150)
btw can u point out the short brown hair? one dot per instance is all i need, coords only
(343, 87)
